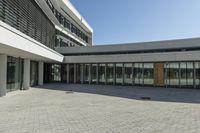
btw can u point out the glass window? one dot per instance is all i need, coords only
(110, 73)
(34, 73)
(71, 73)
(190, 73)
(119, 75)
(14, 73)
(101, 73)
(56, 75)
(187, 74)
(183, 74)
(197, 70)
(148, 73)
(94, 73)
(64, 73)
(173, 74)
(138, 73)
(166, 72)
(128, 74)
(86, 73)
(78, 73)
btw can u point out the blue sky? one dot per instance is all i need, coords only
(122, 21)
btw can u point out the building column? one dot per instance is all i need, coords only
(41, 73)
(3, 74)
(26, 82)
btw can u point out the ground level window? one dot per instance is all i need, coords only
(14, 73)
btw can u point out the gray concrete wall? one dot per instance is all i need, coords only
(157, 45)
(148, 57)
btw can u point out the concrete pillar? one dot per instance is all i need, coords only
(3, 74)
(41, 73)
(26, 82)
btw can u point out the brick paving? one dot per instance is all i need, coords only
(59, 108)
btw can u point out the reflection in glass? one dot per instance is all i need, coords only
(71, 73)
(183, 74)
(14, 73)
(128, 74)
(101, 73)
(33, 73)
(138, 73)
(118, 72)
(94, 73)
(174, 73)
(110, 73)
(86, 69)
(78, 73)
(190, 73)
(148, 73)
(56, 76)
(64, 73)
(167, 73)
(197, 70)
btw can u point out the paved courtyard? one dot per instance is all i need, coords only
(59, 108)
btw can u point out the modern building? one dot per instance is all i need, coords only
(46, 41)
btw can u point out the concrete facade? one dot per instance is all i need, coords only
(41, 73)
(26, 82)
(3, 74)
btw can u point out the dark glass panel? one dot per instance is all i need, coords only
(110, 73)
(94, 73)
(119, 74)
(101, 73)
(33, 73)
(14, 73)
(148, 74)
(128, 74)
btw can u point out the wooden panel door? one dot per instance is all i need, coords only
(159, 74)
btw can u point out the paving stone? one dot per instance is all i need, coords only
(100, 109)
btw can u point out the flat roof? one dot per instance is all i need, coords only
(72, 11)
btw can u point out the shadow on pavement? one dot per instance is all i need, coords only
(132, 92)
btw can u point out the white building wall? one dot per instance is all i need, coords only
(3, 74)
(148, 57)
(26, 77)
(15, 43)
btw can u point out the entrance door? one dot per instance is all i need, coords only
(159, 74)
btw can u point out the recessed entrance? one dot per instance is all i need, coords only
(159, 74)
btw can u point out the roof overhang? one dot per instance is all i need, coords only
(17, 44)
